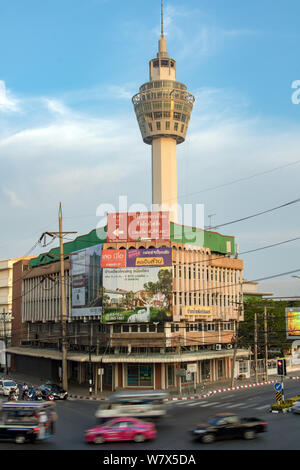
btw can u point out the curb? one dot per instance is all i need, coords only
(195, 397)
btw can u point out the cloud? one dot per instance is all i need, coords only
(7, 102)
(14, 199)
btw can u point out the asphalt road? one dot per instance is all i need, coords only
(75, 416)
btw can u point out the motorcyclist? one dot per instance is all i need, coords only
(38, 394)
(12, 395)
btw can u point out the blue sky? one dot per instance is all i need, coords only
(68, 131)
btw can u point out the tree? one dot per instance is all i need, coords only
(277, 338)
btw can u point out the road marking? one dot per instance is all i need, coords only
(234, 406)
(261, 407)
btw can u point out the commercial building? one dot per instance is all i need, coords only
(143, 311)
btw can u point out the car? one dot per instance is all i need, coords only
(121, 429)
(53, 389)
(296, 407)
(228, 426)
(6, 385)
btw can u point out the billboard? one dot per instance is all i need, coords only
(135, 226)
(149, 257)
(86, 279)
(292, 316)
(113, 259)
(137, 295)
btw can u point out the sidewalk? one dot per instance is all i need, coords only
(77, 391)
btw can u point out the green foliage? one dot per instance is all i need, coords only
(277, 339)
(286, 404)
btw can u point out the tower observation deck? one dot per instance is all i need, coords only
(163, 109)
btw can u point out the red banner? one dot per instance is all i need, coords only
(136, 226)
(113, 259)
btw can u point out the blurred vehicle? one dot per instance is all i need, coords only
(296, 407)
(121, 429)
(56, 391)
(27, 421)
(136, 404)
(7, 385)
(228, 426)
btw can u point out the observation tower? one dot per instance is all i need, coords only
(163, 109)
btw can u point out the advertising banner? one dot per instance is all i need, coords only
(292, 323)
(113, 259)
(149, 257)
(136, 295)
(135, 226)
(86, 278)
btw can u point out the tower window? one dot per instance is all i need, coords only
(150, 126)
(177, 116)
(157, 115)
(158, 126)
(167, 125)
(155, 63)
(176, 126)
(165, 63)
(182, 128)
(172, 64)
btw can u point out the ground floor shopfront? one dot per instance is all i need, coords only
(114, 372)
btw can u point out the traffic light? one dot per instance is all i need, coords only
(281, 367)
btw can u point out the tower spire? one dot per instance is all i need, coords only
(162, 18)
(162, 44)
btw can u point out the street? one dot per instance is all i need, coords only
(75, 416)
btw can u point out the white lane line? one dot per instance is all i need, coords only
(261, 407)
(234, 406)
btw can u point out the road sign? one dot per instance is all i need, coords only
(180, 372)
(278, 396)
(278, 387)
(134, 226)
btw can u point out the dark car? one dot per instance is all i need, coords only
(228, 426)
(55, 390)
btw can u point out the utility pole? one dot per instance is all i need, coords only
(266, 341)
(61, 234)
(234, 353)
(63, 307)
(255, 348)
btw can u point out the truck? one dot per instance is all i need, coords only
(228, 426)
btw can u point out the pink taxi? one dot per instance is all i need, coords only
(121, 429)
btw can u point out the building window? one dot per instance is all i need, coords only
(170, 375)
(139, 375)
(150, 126)
(167, 125)
(158, 126)
(176, 126)
(182, 128)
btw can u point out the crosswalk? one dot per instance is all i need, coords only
(223, 405)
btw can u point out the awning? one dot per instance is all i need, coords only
(128, 358)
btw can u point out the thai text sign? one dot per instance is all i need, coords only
(134, 226)
(113, 259)
(198, 311)
(149, 257)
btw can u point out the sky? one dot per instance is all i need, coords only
(68, 132)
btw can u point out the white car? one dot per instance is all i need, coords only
(7, 385)
(296, 407)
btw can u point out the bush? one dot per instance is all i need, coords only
(285, 404)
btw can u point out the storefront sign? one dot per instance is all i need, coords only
(198, 311)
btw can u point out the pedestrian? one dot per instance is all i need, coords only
(25, 391)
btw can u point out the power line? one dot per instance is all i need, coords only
(258, 213)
